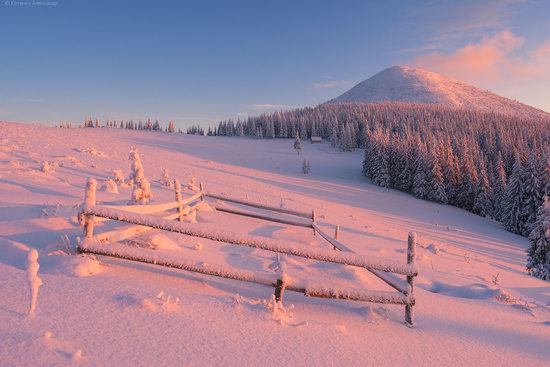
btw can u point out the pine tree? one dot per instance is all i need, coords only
(421, 186)
(381, 174)
(482, 204)
(538, 254)
(513, 199)
(437, 190)
(532, 194)
(334, 135)
(297, 143)
(306, 168)
(498, 186)
(468, 182)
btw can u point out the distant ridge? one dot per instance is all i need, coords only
(406, 84)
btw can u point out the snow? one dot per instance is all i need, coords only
(32, 276)
(406, 84)
(115, 317)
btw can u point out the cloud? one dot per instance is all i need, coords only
(242, 114)
(270, 106)
(492, 61)
(467, 18)
(330, 84)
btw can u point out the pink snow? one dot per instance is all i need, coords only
(474, 303)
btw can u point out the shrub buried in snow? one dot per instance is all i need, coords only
(141, 193)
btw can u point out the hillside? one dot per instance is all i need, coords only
(475, 304)
(406, 84)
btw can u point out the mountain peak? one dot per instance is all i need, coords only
(406, 84)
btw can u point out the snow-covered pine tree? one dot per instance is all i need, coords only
(334, 135)
(270, 133)
(297, 143)
(306, 168)
(141, 193)
(513, 199)
(482, 204)
(437, 190)
(381, 164)
(538, 254)
(421, 186)
(468, 181)
(171, 127)
(498, 186)
(240, 131)
(532, 193)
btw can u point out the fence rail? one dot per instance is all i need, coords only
(139, 216)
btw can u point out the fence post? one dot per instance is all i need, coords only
(177, 192)
(202, 191)
(280, 290)
(89, 200)
(313, 220)
(411, 255)
(336, 234)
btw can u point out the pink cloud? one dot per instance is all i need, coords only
(492, 61)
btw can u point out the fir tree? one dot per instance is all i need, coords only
(513, 199)
(297, 143)
(437, 191)
(538, 254)
(532, 192)
(482, 204)
(306, 168)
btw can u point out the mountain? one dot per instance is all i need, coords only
(406, 84)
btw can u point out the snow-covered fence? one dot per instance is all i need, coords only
(288, 221)
(139, 215)
(407, 290)
(184, 207)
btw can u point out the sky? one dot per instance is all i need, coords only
(199, 62)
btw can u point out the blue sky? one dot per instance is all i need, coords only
(202, 61)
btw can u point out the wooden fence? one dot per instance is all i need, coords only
(141, 220)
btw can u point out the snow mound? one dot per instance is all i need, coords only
(433, 249)
(161, 303)
(91, 151)
(374, 315)
(470, 291)
(80, 266)
(203, 206)
(157, 241)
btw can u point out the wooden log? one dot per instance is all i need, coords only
(120, 234)
(337, 244)
(263, 217)
(132, 254)
(259, 206)
(336, 235)
(313, 221)
(177, 193)
(280, 290)
(202, 191)
(146, 209)
(411, 255)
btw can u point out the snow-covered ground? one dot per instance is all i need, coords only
(475, 305)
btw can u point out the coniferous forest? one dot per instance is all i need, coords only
(493, 165)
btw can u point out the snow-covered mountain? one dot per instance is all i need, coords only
(406, 84)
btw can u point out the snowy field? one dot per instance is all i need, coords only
(475, 305)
